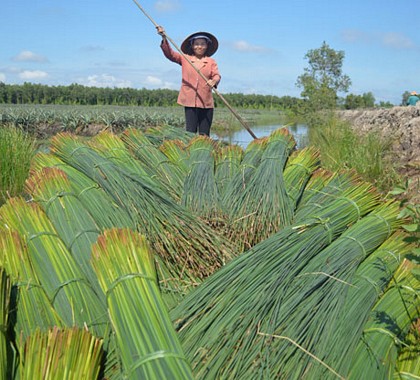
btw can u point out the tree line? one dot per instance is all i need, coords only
(76, 94)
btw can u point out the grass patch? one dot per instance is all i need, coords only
(368, 153)
(16, 152)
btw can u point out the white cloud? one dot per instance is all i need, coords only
(105, 80)
(397, 40)
(2, 77)
(167, 5)
(152, 81)
(33, 74)
(392, 40)
(244, 46)
(28, 56)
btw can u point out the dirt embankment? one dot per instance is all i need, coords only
(401, 125)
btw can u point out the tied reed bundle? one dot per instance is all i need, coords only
(299, 169)
(263, 206)
(155, 163)
(177, 154)
(6, 354)
(228, 161)
(101, 206)
(369, 283)
(63, 281)
(32, 306)
(388, 324)
(51, 189)
(60, 354)
(201, 195)
(147, 342)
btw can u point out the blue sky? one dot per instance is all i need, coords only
(262, 43)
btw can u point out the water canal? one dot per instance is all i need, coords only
(243, 137)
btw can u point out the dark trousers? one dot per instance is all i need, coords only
(198, 120)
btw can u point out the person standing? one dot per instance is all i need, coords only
(413, 99)
(195, 93)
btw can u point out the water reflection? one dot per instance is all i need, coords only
(243, 137)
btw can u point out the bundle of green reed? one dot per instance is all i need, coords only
(6, 354)
(368, 285)
(316, 183)
(157, 135)
(335, 186)
(155, 163)
(51, 189)
(224, 340)
(227, 163)
(176, 152)
(32, 308)
(251, 160)
(105, 212)
(54, 268)
(101, 206)
(189, 248)
(299, 168)
(384, 333)
(147, 342)
(408, 363)
(60, 355)
(201, 195)
(113, 148)
(310, 310)
(264, 207)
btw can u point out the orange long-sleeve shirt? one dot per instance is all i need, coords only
(194, 91)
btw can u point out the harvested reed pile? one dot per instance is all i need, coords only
(189, 247)
(280, 297)
(323, 291)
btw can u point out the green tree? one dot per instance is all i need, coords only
(405, 97)
(323, 79)
(367, 100)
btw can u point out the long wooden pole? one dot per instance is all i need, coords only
(241, 120)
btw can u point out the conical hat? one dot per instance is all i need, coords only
(212, 46)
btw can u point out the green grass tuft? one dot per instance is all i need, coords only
(16, 152)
